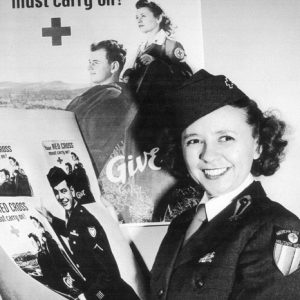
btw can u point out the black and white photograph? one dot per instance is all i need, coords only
(160, 140)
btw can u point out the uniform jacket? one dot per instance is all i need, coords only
(231, 257)
(7, 189)
(93, 256)
(169, 67)
(170, 51)
(103, 114)
(56, 268)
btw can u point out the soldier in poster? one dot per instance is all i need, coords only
(88, 242)
(55, 270)
(103, 112)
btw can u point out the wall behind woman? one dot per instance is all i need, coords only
(257, 44)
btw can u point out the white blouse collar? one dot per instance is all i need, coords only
(215, 205)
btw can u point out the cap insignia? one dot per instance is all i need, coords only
(228, 83)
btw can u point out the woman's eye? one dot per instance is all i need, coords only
(226, 138)
(193, 141)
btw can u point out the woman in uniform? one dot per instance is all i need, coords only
(159, 67)
(236, 243)
(159, 55)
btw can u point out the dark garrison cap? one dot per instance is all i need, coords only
(56, 175)
(200, 95)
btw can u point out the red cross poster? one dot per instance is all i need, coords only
(47, 62)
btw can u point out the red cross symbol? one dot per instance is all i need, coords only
(59, 160)
(56, 31)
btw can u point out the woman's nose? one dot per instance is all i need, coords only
(208, 152)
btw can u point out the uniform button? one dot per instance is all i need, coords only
(160, 293)
(74, 242)
(199, 283)
(77, 265)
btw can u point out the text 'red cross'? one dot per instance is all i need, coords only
(56, 31)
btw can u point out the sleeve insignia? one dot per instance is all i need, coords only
(179, 53)
(92, 231)
(98, 247)
(286, 251)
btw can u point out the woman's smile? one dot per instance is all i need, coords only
(215, 173)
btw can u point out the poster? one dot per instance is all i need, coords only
(46, 175)
(46, 46)
(32, 244)
(13, 178)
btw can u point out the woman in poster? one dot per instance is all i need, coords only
(236, 243)
(159, 66)
(159, 56)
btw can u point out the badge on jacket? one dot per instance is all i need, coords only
(286, 250)
(208, 258)
(68, 281)
(241, 205)
(179, 53)
(92, 231)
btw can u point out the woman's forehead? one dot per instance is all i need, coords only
(222, 119)
(143, 10)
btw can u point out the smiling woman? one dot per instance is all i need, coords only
(236, 243)
(219, 155)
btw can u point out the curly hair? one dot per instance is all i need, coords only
(157, 11)
(267, 128)
(114, 51)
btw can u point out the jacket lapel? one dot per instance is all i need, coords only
(210, 235)
(171, 246)
(206, 237)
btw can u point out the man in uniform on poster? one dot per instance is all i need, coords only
(88, 242)
(105, 110)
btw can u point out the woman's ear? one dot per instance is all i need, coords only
(257, 150)
(159, 19)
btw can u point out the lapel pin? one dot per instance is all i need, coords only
(241, 206)
(208, 258)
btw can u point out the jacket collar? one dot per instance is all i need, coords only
(225, 223)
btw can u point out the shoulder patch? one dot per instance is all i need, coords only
(286, 251)
(92, 231)
(179, 53)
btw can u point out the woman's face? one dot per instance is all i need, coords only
(219, 149)
(146, 20)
